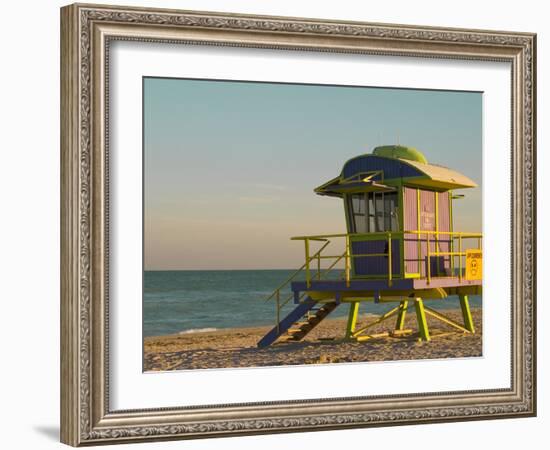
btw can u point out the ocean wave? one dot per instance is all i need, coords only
(198, 330)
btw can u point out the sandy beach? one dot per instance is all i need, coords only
(236, 347)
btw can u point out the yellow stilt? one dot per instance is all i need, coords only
(466, 313)
(421, 319)
(401, 315)
(352, 319)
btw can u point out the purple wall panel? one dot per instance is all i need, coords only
(375, 265)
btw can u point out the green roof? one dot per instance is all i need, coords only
(401, 152)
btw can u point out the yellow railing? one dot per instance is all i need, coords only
(389, 236)
(306, 266)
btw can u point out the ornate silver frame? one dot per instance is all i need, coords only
(86, 31)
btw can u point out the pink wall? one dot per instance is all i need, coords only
(410, 223)
(427, 222)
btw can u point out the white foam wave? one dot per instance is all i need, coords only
(197, 330)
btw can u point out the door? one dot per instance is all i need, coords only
(426, 211)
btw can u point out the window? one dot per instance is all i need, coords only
(373, 211)
(359, 213)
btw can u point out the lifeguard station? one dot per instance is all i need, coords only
(400, 248)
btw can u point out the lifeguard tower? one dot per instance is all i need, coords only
(400, 248)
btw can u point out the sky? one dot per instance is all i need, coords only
(230, 167)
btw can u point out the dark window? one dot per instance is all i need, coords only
(374, 211)
(359, 213)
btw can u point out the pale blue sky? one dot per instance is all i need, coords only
(230, 167)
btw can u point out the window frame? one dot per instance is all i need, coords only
(371, 200)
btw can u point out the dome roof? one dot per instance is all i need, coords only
(400, 151)
(390, 166)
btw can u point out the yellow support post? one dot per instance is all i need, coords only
(466, 313)
(451, 235)
(352, 319)
(389, 261)
(421, 319)
(436, 194)
(347, 260)
(418, 242)
(401, 315)
(429, 265)
(460, 257)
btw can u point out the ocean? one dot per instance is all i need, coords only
(180, 301)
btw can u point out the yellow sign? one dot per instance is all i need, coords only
(474, 264)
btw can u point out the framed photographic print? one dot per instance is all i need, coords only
(276, 224)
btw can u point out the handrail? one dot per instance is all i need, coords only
(389, 235)
(317, 255)
(348, 256)
(326, 271)
(289, 279)
(384, 233)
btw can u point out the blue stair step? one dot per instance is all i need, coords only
(287, 322)
(312, 322)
